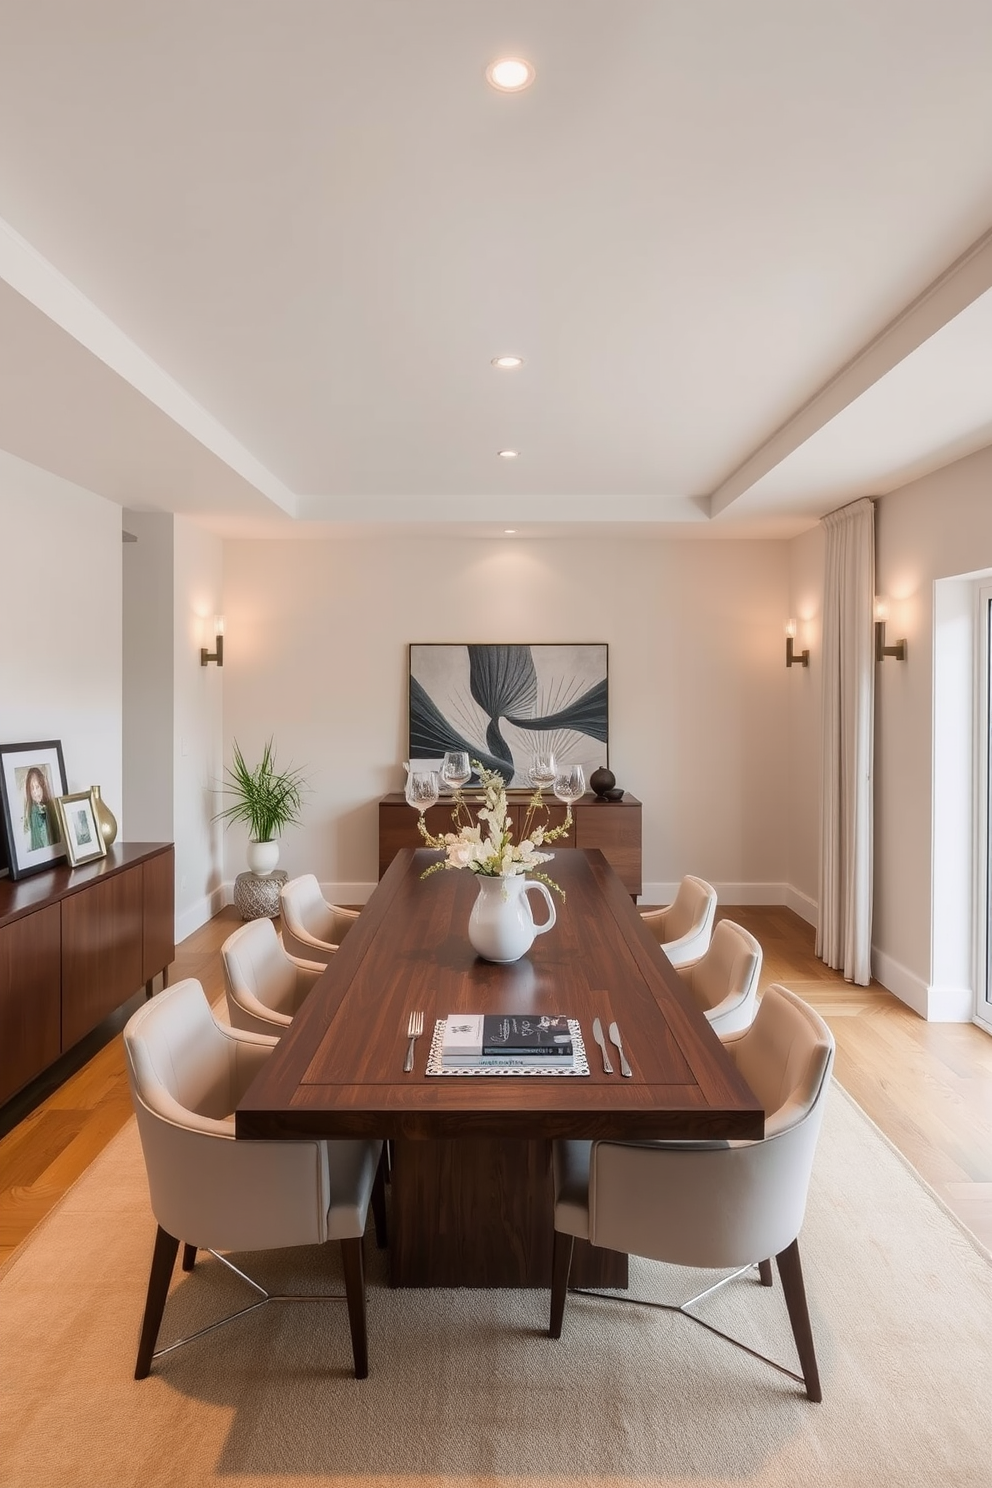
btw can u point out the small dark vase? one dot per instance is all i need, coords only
(601, 781)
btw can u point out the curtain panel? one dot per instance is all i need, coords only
(843, 937)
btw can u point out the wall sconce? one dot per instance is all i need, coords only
(218, 655)
(881, 649)
(792, 657)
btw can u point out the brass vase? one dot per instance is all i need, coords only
(106, 820)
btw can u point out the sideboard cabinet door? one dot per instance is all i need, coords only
(102, 961)
(159, 899)
(30, 977)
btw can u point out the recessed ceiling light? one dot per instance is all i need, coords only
(508, 454)
(510, 74)
(509, 531)
(508, 361)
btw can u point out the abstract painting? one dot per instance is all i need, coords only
(503, 703)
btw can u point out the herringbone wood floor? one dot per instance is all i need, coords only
(927, 1085)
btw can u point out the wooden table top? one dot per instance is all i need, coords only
(337, 1072)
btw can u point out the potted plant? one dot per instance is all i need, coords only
(267, 800)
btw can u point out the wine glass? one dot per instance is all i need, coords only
(570, 783)
(456, 770)
(542, 769)
(422, 789)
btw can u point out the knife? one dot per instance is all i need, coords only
(625, 1068)
(597, 1033)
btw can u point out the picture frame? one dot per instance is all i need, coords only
(502, 702)
(32, 777)
(81, 827)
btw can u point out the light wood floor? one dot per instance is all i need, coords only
(927, 1085)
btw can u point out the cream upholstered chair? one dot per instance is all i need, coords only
(713, 1204)
(264, 986)
(683, 928)
(724, 981)
(311, 928)
(187, 1073)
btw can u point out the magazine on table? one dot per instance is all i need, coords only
(506, 1038)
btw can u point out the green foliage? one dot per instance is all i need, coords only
(265, 799)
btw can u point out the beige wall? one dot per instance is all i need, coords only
(317, 655)
(60, 653)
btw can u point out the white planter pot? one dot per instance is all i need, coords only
(501, 926)
(263, 857)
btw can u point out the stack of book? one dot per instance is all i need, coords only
(506, 1040)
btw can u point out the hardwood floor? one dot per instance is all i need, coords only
(927, 1085)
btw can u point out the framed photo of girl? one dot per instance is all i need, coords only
(32, 777)
(80, 828)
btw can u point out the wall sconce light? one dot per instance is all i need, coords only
(218, 655)
(792, 657)
(881, 649)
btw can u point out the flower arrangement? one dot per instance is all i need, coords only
(484, 843)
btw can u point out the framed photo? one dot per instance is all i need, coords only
(505, 703)
(80, 828)
(32, 777)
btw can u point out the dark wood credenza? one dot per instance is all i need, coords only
(612, 826)
(75, 943)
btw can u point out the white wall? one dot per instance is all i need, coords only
(60, 654)
(148, 665)
(197, 741)
(934, 529)
(805, 695)
(317, 637)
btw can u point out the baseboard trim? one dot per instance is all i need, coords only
(727, 893)
(191, 918)
(934, 1004)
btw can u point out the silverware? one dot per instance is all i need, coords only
(625, 1068)
(597, 1033)
(414, 1029)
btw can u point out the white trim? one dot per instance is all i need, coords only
(199, 913)
(934, 1004)
(983, 808)
(801, 904)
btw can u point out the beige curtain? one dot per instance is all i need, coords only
(843, 936)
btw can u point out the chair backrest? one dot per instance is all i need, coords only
(256, 967)
(729, 970)
(309, 922)
(691, 911)
(187, 1073)
(726, 1205)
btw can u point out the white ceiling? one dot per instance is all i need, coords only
(255, 258)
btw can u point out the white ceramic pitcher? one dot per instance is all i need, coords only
(501, 926)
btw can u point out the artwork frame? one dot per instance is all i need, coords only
(32, 833)
(502, 701)
(81, 833)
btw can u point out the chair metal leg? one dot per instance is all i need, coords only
(163, 1263)
(354, 1285)
(791, 1272)
(379, 1202)
(561, 1265)
(189, 1257)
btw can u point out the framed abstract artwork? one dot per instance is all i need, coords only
(32, 777)
(506, 703)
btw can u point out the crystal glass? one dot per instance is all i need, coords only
(570, 783)
(542, 769)
(422, 789)
(456, 770)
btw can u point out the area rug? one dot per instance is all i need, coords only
(465, 1386)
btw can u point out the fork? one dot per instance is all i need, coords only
(414, 1029)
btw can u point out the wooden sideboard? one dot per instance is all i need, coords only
(612, 826)
(75, 943)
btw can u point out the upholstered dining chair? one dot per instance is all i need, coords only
(713, 1204)
(311, 928)
(264, 985)
(724, 981)
(187, 1073)
(683, 928)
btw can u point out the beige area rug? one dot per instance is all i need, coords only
(466, 1388)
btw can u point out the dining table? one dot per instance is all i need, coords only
(471, 1190)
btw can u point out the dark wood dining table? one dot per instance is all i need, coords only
(471, 1196)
